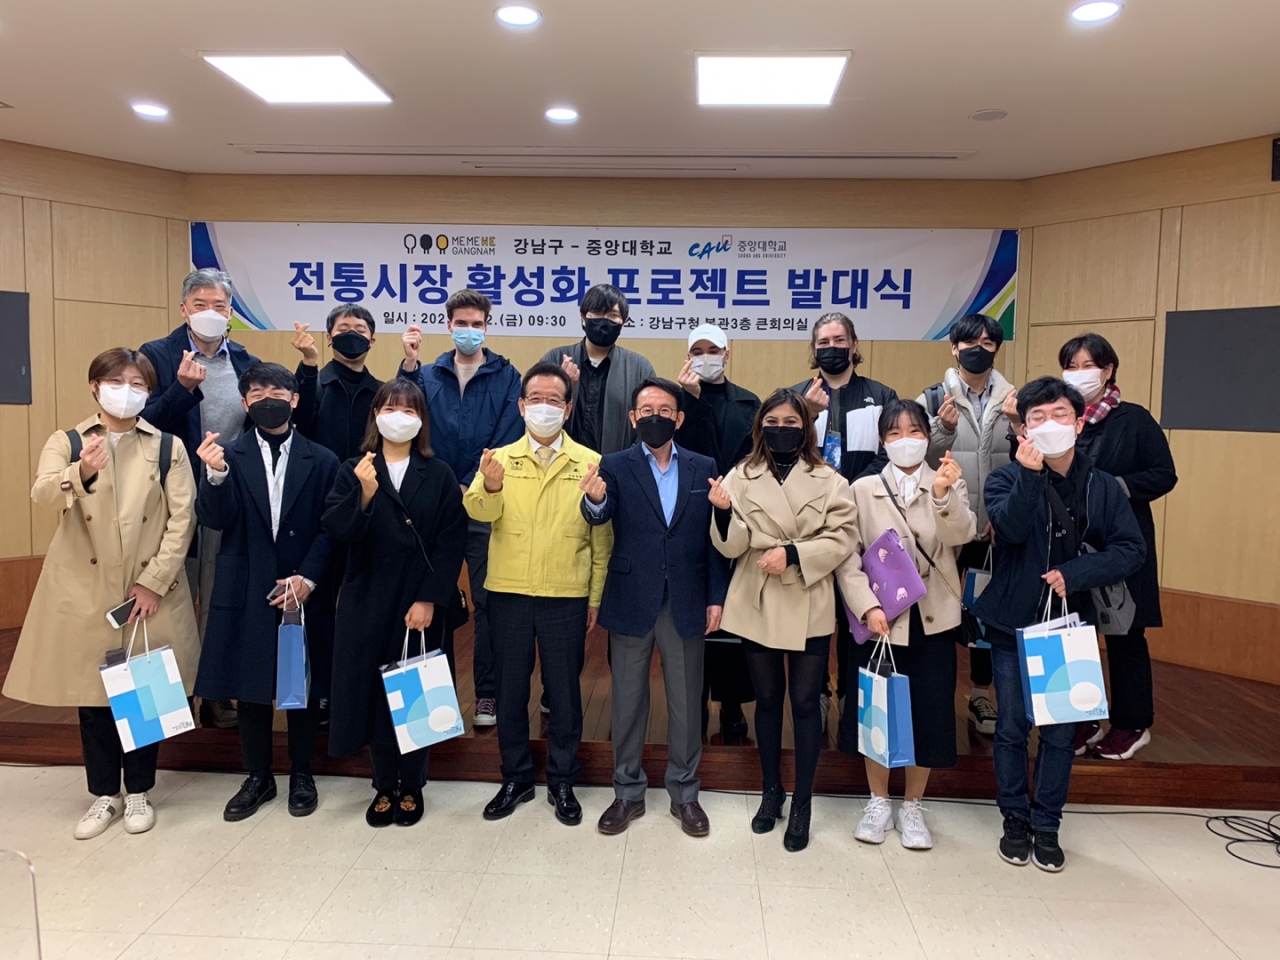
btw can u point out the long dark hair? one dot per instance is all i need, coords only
(401, 392)
(761, 455)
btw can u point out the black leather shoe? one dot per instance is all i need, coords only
(303, 797)
(382, 811)
(693, 819)
(568, 809)
(770, 811)
(509, 797)
(619, 815)
(409, 808)
(254, 792)
(218, 715)
(797, 836)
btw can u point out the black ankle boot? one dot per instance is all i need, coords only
(797, 836)
(770, 811)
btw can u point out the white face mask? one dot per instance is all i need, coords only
(543, 420)
(1087, 381)
(708, 366)
(398, 426)
(122, 401)
(907, 452)
(208, 324)
(1052, 438)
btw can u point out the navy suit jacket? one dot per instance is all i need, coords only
(650, 557)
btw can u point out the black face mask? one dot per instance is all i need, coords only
(351, 345)
(976, 359)
(270, 413)
(602, 331)
(655, 430)
(782, 439)
(832, 360)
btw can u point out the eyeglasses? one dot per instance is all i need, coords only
(649, 411)
(549, 401)
(137, 383)
(1037, 417)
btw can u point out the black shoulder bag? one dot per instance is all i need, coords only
(1112, 605)
(458, 612)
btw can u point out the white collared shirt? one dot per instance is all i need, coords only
(396, 472)
(275, 478)
(555, 446)
(908, 483)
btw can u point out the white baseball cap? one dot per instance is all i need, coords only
(711, 333)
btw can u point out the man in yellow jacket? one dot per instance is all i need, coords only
(545, 580)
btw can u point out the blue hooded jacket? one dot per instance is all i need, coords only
(463, 424)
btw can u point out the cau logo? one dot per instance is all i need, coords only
(701, 251)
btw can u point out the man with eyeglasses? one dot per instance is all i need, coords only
(1062, 528)
(545, 579)
(666, 586)
(603, 374)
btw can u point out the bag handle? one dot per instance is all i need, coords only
(916, 540)
(299, 609)
(882, 646)
(422, 644)
(146, 639)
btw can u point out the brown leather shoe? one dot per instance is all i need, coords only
(619, 815)
(693, 819)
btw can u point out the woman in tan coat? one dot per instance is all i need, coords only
(938, 522)
(121, 536)
(786, 517)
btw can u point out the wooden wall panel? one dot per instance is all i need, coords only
(13, 273)
(105, 256)
(177, 262)
(1103, 269)
(15, 482)
(909, 366)
(81, 332)
(1220, 531)
(1230, 254)
(42, 414)
(1166, 296)
(1235, 637)
(1132, 340)
(41, 173)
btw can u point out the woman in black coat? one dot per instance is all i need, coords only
(399, 512)
(1124, 440)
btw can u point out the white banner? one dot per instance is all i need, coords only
(758, 284)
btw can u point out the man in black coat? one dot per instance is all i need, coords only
(666, 586)
(717, 423)
(334, 402)
(266, 494)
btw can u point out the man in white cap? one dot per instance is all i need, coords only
(717, 424)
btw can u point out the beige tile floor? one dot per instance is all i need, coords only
(457, 888)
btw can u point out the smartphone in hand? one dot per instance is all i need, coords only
(119, 616)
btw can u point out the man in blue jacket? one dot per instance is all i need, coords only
(473, 397)
(198, 370)
(666, 585)
(1062, 528)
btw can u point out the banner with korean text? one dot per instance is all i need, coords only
(758, 284)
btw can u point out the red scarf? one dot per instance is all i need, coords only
(1097, 411)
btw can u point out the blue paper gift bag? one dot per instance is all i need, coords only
(423, 702)
(1061, 674)
(146, 695)
(293, 665)
(885, 734)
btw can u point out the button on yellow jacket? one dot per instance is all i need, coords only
(541, 546)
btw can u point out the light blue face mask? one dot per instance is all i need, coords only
(468, 339)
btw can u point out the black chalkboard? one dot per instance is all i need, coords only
(1220, 370)
(15, 347)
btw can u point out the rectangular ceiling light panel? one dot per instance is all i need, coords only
(763, 81)
(301, 78)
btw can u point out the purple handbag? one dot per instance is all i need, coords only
(894, 580)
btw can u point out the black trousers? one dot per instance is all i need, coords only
(392, 770)
(1129, 665)
(726, 678)
(556, 628)
(974, 554)
(104, 757)
(255, 736)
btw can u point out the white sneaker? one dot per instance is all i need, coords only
(877, 817)
(98, 818)
(139, 814)
(915, 835)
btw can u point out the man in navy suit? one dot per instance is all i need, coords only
(666, 585)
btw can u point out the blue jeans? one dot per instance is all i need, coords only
(1053, 758)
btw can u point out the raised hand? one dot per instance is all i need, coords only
(93, 457)
(690, 380)
(411, 341)
(493, 472)
(949, 413)
(718, 495)
(211, 453)
(368, 478)
(948, 473)
(569, 367)
(305, 344)
(190, 373)
(1029, 456)
(1010, 406)
(593, 485)
(816, 397)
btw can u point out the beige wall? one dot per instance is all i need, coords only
(101, 246)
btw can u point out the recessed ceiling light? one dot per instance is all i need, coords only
(769, 81)
(562, 114)
(1095, 12)
(518, 15)
(986, 116)
(152, 111)
(300, 78)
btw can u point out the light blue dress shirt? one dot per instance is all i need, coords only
(668, 481)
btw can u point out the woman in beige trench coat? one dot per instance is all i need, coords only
(786, 517)
(121, 536)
